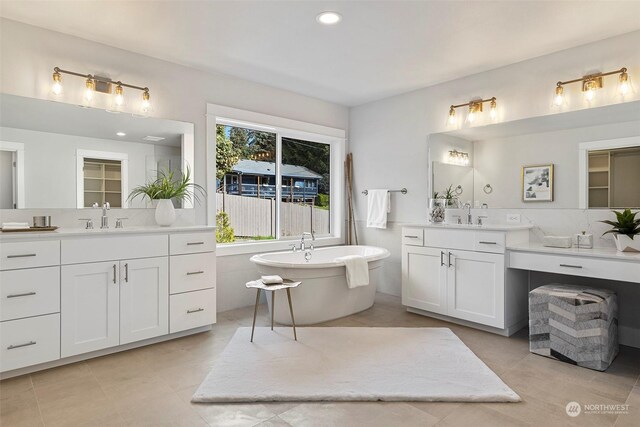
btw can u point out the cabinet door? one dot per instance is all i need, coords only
(89, 306)
(424, 278)
(144, 299)
(476, 287)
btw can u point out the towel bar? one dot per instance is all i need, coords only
(403, 191)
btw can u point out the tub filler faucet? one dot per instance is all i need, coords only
(303, 244)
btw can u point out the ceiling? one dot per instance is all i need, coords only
(68, 119)
(380, 49)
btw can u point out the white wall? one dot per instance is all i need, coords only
(177, 92)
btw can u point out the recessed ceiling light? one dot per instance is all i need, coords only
(329, 18)
(121, 134)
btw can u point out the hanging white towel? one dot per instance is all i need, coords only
(378, 206)
(357, 270)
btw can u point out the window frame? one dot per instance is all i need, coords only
(282, 127)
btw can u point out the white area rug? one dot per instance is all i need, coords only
(351, 364)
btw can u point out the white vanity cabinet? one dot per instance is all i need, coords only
(67, 296)
(109, 303)
(460, 274)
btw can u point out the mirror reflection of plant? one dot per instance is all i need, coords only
(626, 223)
(170, 185)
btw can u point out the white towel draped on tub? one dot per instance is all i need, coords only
(378, 207)
(357, 270)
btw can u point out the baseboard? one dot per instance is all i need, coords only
(103, 352)
(507, 332)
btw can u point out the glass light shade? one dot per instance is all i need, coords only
(145, 106)
(56, 88)
(90, 89)
(118, 97)
(624, 85)
(452, 116)
(493, 111)
(559, 98)
(590, 92)
(471, 117)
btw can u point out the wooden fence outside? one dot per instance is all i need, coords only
(253, 217)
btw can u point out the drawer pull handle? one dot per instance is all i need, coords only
(441, 258)
(195, 311)
(190, 273)
(194, 243)
(26, 294)
(411, 237)
(487, 243)
(126, 273)
(450, 253)
(21, 256)
(11, 347)
(570, 266)
(114, 274)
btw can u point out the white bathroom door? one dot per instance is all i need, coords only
(89, 307)
(144, 299)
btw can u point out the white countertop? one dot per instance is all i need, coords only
(75, 232)
(608, 252)
(487, 227)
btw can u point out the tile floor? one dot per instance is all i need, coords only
(152, 386)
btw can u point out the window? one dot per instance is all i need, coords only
(273, 183)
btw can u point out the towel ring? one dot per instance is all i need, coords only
(488, 189)
(458, 190)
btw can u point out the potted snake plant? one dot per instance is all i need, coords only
(626, 230)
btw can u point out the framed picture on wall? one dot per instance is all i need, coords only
(537, 183)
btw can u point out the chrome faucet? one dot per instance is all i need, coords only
(303, 245)
(104, 221)
(469, 216)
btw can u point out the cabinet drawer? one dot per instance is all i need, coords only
(490, 241)
(450, 239)
(191, 310)
(31, 292)
(191, 243)
(109, 248)
(29, 341)
(412, 236)
(15, 255)
(192, 272)
(576, 266)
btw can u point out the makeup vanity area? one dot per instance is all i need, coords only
(480, 275)
(84, 290)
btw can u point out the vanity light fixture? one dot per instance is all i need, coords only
(104, 85)
(475, 107)
(591, 83)
(459, 158)
(121, 134)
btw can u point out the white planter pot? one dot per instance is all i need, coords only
(625, 243)
(165, 213)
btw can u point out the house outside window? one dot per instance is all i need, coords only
(274, 183)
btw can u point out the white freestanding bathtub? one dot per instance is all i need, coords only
(323, 294)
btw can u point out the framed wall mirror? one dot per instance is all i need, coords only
(595, 154)
(56, 155)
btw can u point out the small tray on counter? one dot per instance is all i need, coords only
(26, 230)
